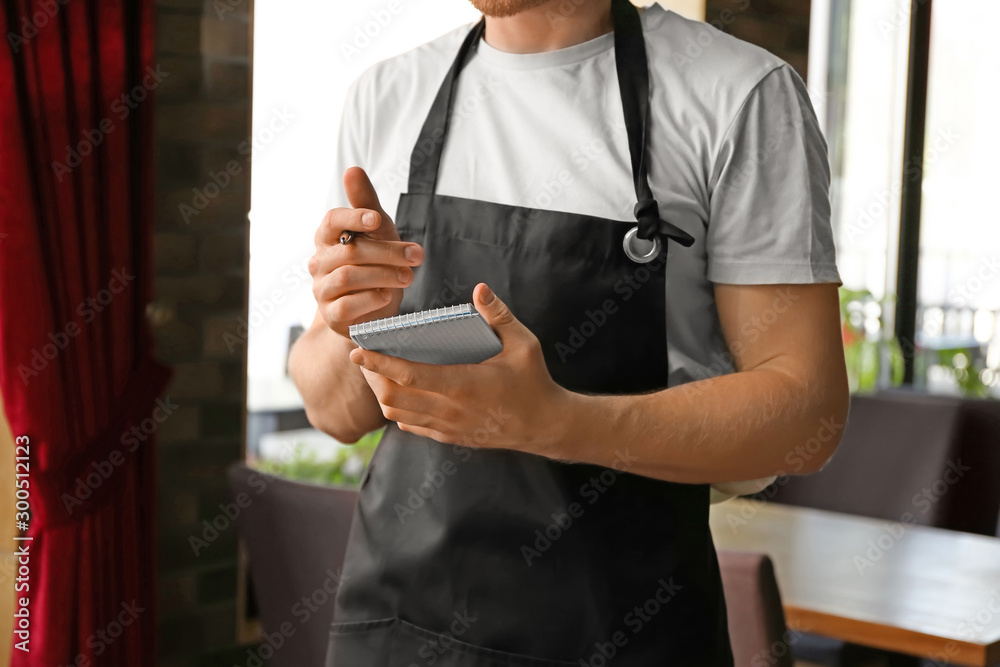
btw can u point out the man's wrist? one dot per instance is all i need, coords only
(580, 421)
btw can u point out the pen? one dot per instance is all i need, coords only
(346, 236)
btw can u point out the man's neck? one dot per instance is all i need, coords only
(551, 25)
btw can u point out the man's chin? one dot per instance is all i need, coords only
(503, 8)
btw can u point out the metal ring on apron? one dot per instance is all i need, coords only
(640, 250)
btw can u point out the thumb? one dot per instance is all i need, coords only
(361, 194)
(495, 312)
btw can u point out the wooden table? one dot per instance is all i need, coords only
(921, 591)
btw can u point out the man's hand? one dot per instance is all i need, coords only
(508, 401)
(782, 412)
(352, 283)
(364, 279)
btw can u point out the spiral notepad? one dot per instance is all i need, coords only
(449, 335)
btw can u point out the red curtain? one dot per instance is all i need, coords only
(76, 372)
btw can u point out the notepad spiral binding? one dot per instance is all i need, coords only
(366, 329)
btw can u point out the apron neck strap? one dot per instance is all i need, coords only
(633, 86)
(426, 157)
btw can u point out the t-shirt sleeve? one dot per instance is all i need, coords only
(351, 142)
(769, 217)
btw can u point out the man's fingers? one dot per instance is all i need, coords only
(497, 314)
(406, 374)
(413, 410)
(360, 191)
(371, 251)
(348, 279)
(354, 307)
(363, 252)
(364, 215)
(401, 404)
(425, 432)
(336, 220)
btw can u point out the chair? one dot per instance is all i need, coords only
(934, 458)
(756, 618)
(296, 535)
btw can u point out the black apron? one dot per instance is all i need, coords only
(473, 557)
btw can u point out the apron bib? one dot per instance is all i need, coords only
(473, 557)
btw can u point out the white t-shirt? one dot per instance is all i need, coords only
(736, 157)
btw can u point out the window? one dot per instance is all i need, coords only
(864, 61)
(959, 287)
(305, 55)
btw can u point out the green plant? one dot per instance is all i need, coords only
(345, 469)
(864, 357)
(958, 363)
(861, 347)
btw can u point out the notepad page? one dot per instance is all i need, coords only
(464, 340)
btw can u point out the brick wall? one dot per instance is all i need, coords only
(203, 113)
(780, 26)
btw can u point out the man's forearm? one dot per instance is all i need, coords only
(734, 427)
(337, 398)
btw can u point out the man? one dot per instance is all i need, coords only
(637, 219)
